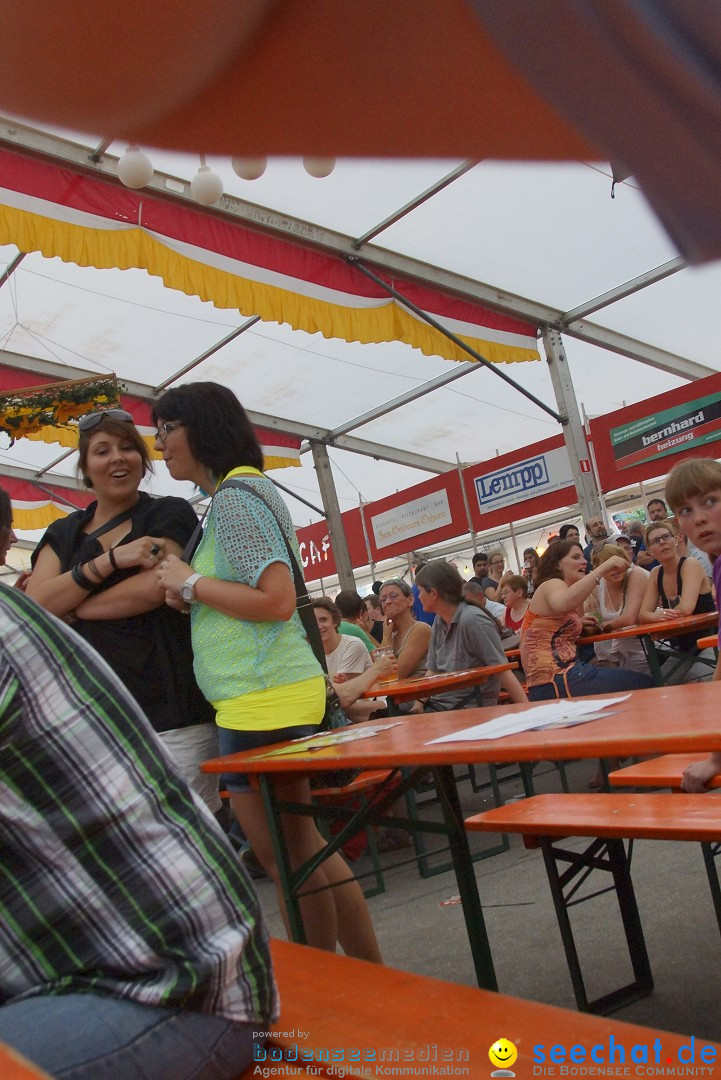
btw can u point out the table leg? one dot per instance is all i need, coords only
(654, 663)
(466, 878)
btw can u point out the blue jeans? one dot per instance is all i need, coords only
(90, 1037)
(585, 680)
(237, 741)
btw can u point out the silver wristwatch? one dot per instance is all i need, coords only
(187, 589)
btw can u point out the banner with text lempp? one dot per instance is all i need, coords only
(532, 480)
(647, 439)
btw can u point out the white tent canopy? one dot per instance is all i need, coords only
(547, 232)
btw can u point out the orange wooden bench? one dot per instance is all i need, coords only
(545, 820)
(660, 772)
(367, 1019)
(14, 1066)
(710, 642)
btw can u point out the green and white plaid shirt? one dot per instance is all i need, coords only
(113, 879)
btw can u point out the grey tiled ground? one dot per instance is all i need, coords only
(418, 934)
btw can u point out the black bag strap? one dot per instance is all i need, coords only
(303, 603)
(117, 520)
(190, 547)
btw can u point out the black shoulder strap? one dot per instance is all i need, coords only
(304, 604)
(117, 520)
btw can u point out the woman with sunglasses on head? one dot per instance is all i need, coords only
(96, 568)
(252, 658)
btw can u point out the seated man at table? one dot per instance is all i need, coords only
(132, 942)
(463, 636)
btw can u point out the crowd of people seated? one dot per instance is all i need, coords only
(215, 653)
(580, 586)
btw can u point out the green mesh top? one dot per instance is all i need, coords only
(234, 657)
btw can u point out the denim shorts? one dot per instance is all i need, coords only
(235, 741)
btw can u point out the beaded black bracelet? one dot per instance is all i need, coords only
(81, 579)
(113, 560)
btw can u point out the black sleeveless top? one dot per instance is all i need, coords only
(704, 603)
(150, 652)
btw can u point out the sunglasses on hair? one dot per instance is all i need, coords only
(94, 418)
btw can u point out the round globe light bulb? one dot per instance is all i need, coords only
(206, 187)
(319, 166)
(249, 168)
(135, 169)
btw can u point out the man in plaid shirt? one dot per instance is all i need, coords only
(131, 943)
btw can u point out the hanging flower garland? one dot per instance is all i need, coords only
(24, 412)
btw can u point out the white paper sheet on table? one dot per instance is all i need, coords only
(540, 716)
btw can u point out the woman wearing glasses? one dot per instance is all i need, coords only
(96, 569)
(407, 637)
(677, 586)
(252, 658)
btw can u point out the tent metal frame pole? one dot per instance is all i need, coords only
(405, 399)
(434, 189)
(573, 430)
(329, 495)
(355, 262)
(628, 289)
(11, 268)
(208, 353)
(369, 553)
(298, 498)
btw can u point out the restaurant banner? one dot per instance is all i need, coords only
(427, 513)
(647, 439)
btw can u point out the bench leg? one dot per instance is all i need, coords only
(609, 856)
(710, 851)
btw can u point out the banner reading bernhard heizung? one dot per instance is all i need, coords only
(668, 432)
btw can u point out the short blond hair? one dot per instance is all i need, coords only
(669, 525)
(609, 550)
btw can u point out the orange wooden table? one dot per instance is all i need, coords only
(684, 719)
(648, 633)
(400, 690)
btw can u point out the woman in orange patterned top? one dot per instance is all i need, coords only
(554, 622)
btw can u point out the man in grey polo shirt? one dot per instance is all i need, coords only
(463, 636)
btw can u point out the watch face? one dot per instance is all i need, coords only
(186, 593)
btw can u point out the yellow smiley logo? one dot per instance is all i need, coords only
(502, 1054)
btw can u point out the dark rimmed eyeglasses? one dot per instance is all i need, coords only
(166, 429)
(87, 423)
(663, 538)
